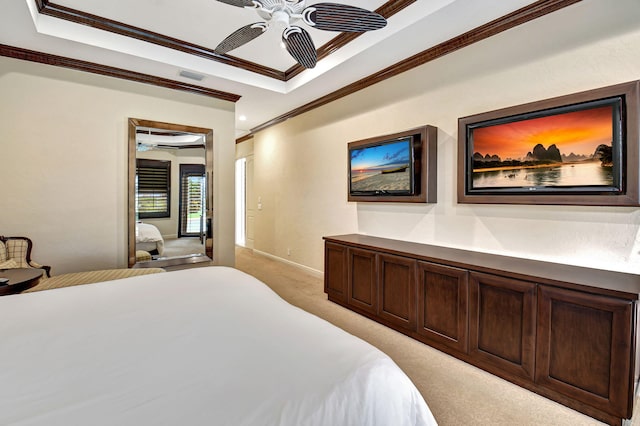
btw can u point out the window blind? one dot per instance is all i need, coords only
(153, 180)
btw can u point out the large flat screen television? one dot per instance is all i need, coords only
(576, 149)
(382, 168)
(569, 149)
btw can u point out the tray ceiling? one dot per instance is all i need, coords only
(165, 39)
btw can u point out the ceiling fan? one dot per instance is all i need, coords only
(150, 139)
(285, 13)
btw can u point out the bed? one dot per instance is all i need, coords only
(148, 238)
(201, 346)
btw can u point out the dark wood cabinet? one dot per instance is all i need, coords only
(565, 332)
(397, 290)
(443, 304)
(502, 326)
(584, 347)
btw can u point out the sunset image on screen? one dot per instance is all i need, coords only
(579, 132)
(568, 149)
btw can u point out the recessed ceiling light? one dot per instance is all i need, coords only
(242, 118)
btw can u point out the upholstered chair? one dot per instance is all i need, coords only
(15, 252)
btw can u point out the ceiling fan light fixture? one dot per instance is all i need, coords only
(280, 19)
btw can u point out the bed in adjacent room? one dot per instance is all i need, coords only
(208, 345)
(149, 238)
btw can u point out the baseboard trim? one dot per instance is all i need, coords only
(314, 272)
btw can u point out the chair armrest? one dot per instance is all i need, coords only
(47, 269)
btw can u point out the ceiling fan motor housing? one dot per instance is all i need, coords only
(280, 19)
(268, 7)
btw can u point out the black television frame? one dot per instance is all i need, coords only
(424, 141)
(623, 192)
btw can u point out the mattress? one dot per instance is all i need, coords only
(202, 346)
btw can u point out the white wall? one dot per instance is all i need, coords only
(301, 165)
(63, 161)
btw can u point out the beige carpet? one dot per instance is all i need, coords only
(457, 393)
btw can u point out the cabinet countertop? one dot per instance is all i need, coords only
(599, 281)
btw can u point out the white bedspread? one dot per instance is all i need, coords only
(202, 346)
(149, 238)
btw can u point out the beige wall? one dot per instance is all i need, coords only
(300, 165)
(63, 161)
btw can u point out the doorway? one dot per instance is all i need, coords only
(241, 201)
(192, 201)
(245, 202)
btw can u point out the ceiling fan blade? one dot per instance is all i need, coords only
(342, 17)
(241, 36)
(239, 3)
(300, 46)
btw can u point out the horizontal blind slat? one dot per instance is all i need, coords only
(153, 187)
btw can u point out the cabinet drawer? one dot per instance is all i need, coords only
(502, 324)
(361, 292)
(583, 348)
(397, 290)
(335, 271)
(443, 301)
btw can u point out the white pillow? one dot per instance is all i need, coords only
(3, 252)
(9, 264)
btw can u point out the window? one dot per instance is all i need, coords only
(153, 181)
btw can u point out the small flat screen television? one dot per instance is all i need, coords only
(384, 168)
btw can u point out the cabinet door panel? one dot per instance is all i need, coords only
(397, 290)
(335, 271)
(502, 314)
(584, 342)
(443, 305)
(362, 279)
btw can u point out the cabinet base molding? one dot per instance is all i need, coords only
(564, 332)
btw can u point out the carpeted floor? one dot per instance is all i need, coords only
(457, 393)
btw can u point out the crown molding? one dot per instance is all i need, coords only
(387, 10)
(79, 17)
(511, 20)
(76, 64)
(45, 7)
(506, 22)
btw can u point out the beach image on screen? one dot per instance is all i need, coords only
(568, 149)
(384, 167)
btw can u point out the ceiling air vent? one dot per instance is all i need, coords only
(191, 75)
